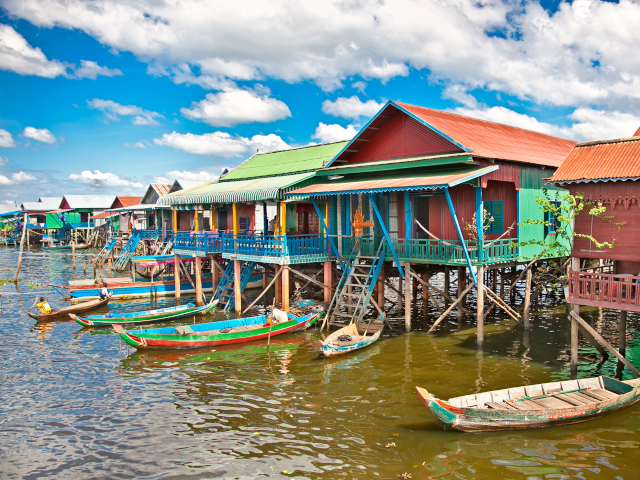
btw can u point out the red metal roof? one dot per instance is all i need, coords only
(495, 140)
(160, 188)
(390, 184)
(637, 134)
(605, 160)
(127, 201)
(103, 215)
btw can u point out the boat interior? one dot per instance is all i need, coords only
(545, 396)
(355, 333)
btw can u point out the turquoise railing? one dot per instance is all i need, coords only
(206, 243)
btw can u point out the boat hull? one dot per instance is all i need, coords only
(137, 290)
(164, 314)
(143, 340)
(64, 312)
(329, 349)
(486, 420)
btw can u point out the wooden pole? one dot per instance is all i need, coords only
(527, 301)
(73, 256)
(266, 289)
(622, 333)
(425, 302)
(278, 269)
(198, 274)
(381, 286)
(328, 280)
(575, 333)
(451, 307)
(176, 275)
(237, 294)
(480, 288)
(447, 279)
(407, 297)
(215, 276)
(24, 230)
(285, 288)
(462, 281)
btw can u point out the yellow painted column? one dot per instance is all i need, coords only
(175, 221)
(284, 218)
(214, 220)
(236, 226)
(195, 221)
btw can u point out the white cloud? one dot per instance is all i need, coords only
(221, 144)
(589, 124)
(6, 140)
(100, 179)
(351, 107)
(135, 145)
(334, 133)
(114, 111)
(192, 176)
(459, 94)
(42, 135)
(5, 180)
(3, 161)
(16, 55)
(22, 177)
(234, 106)
(92, 70)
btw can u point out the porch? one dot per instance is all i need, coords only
(606, 290)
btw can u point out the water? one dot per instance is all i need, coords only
(76, 404)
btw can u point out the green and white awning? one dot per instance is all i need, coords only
(240, 191)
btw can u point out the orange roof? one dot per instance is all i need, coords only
(128, 201)
(495, 140)
(103, 215)
(617, 159)
(637, 134)
(160, 188)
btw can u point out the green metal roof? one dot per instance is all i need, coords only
(241, 191)
(285, 162)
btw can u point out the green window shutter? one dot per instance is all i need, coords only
(498, 217)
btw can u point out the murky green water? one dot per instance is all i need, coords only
(75, 404)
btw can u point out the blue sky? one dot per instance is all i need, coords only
(108, 96)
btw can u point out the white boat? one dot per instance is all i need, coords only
(352, 337)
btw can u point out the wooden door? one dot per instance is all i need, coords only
(421, 214)
(394, 209)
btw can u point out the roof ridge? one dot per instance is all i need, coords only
(604, 142)
(297, 148)
(222, 180)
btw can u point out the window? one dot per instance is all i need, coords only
(495, 210)
(245, 223)
(551, 217)
(222, 220)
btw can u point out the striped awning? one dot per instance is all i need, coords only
(240, 191)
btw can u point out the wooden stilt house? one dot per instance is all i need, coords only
(424, 178)
(605, 171)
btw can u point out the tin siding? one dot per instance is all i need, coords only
(463, 198)
(435, 216)
(401, 137)
(625, 246)
(506, 192)
(507, 172)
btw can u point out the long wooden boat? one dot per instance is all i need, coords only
(215, 333)
(80, 246)
(533, 406)
(131, 289)
(352, 337)
(78, 308)
(148, 316)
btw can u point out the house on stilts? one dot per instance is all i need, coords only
(418, 182)
(606, 172)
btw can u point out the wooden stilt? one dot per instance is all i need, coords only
(447, 279)
(176, 275)
(237, 294)
(480, 288)
(414, 290)
(460, 299)
(575, 334)
(215, 276)
(380, 292)
(285, 288)
(24, 230)
(400, 292)
(527, 301)
(407, 298)
(198, 276)
(622, 333)
(328, 280)
(462, 281)
(278, 285)
(273, 280)
(265, 279)
(425, 301)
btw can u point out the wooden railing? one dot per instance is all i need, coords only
(608, 290)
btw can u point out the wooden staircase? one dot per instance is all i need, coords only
(224, 293)
(353, 295)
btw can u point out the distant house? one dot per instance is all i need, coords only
(37, 211)
(78, 209)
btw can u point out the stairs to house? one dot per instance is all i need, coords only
(224, 293)
(128, 250)
(108, 246)
(353, 295)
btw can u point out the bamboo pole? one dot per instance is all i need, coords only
(176, 275)
(24, 229)
(407, 297)
(480, 315)
(425, 286)
(263, 292)
(451, 307)
(527, 301)
(313, 280)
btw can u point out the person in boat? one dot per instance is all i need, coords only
(104, 293)
(42, 304)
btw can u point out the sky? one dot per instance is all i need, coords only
(107, 96)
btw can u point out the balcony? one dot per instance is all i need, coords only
(606, 290)
(36, 225)
(76, 225)
(279, 249)
(199, 244)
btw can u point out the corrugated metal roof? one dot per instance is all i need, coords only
(605, 161)
(160, 188)
(127, 201)
(103, 215)
(90, 201)
(53, 202)
(637, 134)
(184, 184)
(256, 190)
(44, 204)
(285, 162)
(392, 183)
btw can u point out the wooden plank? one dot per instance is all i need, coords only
(569, 399)
(604, 343)
(451, 307)
(529, 404)
(603, 393)
(551, 403)
(586, 399)
(594, 395)
(498, 406)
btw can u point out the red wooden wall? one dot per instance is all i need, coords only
(506, 192)
(402, 136)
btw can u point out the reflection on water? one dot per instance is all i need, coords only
(76, 404)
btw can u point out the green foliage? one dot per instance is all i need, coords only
(472, 230)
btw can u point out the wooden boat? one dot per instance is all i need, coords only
(80, 246)
(533, 406)
(352, 337)
(79, 308)
(215, 333)
(148, 316)
(139, 289)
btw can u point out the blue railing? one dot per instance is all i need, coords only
(206, 243)
(275, 246)
(36, 225)
(75, 225)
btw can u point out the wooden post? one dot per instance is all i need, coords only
(215, 276)
(237, 294)
(175, 223)
(400, 291)
(575, 332)
(480, 287)
(283, 231)
(622, 333)
(73, 256)
(198, 275)
(447, 279)
(462, 282)
(328, 280)
(414, 290)
(265, 278)
(24, 229)
(236, 226)
(214, 220)
(195, 221)
(176, 275)
(381, 298)
(278, 268)
(407, 297)
(285, 288)
(425, 296)
(527, 301)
